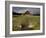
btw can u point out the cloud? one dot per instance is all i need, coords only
(22, 11)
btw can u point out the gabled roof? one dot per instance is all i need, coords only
(27, 12)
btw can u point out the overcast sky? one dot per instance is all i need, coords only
(24, 9)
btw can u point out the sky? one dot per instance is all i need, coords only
(24, 9)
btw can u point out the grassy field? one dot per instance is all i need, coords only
(28, 22)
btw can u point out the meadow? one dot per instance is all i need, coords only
(25, 22)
